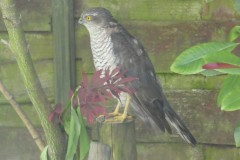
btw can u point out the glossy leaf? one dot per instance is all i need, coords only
(74, 133)
(234, 33)
(210, 73)
(233, 71)
(230, 84)
(44, 154)
(231, 101)
(224, 57)
(84, 142)
(191, 60)
(237, 135)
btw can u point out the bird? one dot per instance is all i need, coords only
(113, 46)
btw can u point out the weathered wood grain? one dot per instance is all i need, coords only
(221, 10)
(196, 108)
(198, 111)
(120, 137)
(10, 76)
(19, 145)
(161, 151)
(163, 41)
(12, 79)
(99, 151)
(172, 151)
(64, 49)
(36, 15)
(151, 10)
(40, 46)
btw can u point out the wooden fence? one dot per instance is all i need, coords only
(165, 28)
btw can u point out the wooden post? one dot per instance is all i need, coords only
(64, 48)
(99, 151)
(121, 139)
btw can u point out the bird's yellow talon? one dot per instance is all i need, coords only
(118, 117)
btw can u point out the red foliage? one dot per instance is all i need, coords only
(211, 66)
(100, 88)
(56, 112)
(93, 93)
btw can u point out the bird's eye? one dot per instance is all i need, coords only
(88, 18)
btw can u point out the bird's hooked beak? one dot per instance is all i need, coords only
(80, 21)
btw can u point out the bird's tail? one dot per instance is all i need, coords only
(174, 120)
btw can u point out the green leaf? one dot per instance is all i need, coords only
(237, 135)
(210, 73)
(223, 57)
(231, 101)
(44, 154)
(74, 133)
(191, 60)
(231, 83)
(233, 71)
(234, 33)
(84, 142)
(66, 124)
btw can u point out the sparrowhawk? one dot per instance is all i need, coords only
(112, 45)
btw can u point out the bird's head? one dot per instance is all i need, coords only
(95, 18)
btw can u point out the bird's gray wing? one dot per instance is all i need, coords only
(148, 98)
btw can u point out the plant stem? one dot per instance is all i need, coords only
(18, 45)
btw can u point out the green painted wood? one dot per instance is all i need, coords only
(27, 150)
(40, 46)
(64, 49)
(163, 41)
(198, 111)
(221, 153)
(174, 151)
(36, 15)
(196, 108)
(11, 77)
(9, 118)
(18, 144)
(153, 10)
(220, 10)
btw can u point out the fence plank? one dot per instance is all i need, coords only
(163, 41)
(64, 49)
(36, 15)
(148, 10)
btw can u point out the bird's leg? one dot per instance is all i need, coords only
(113, 114)
(118, 117)
(127, 103)
(116, 111)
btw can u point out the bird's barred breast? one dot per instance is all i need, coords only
(102, 49)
